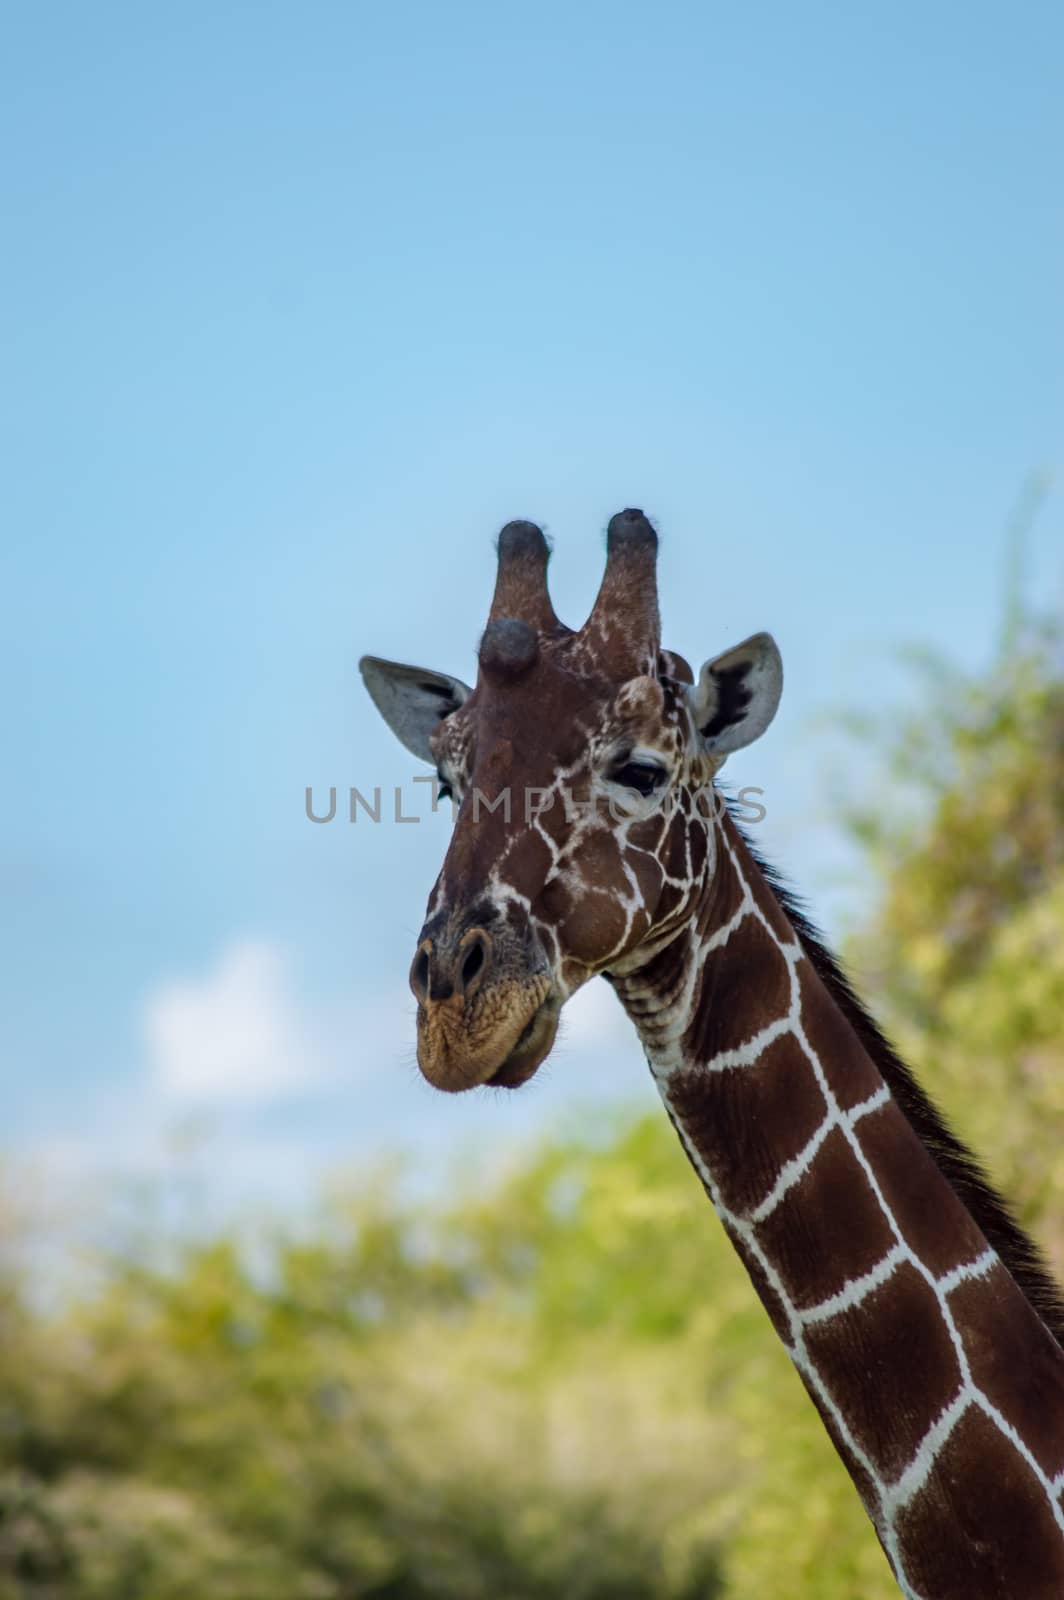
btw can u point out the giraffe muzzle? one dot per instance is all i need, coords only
(487, 1012)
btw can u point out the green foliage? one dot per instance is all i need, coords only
(562, 1385)
(965, 956)
(401, 1408)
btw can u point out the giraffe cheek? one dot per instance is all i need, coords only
(560, 919)
(597, 928)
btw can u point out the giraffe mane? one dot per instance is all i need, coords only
(962, 1169)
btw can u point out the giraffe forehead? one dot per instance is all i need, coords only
(548, 709)
(560, 708)
(564, 711)
(640, 700)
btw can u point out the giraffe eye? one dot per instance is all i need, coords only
(642, 776)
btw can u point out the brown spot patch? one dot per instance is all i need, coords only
(1015, 1362)
(555, 903)
(890, 1367)
(748, 1121)
(851, 1073)
(743, 986)
(765, 1292)
(596, 924)
(828, 1228)
(863, 1483)
(670, 901)
(721, 905)
(925, 1207)
(983, 1525)
(527, 863)
(752, 871)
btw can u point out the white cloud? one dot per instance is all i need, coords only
(232, 1036)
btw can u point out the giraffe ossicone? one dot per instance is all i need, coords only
(919, 1316)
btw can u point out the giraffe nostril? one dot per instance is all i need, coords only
(473, 962)
(419, 975)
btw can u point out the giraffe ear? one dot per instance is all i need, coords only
(737, 694)
(412, 700)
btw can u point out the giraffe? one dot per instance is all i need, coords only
(590, 839)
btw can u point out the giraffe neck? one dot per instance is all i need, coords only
(939, 1383)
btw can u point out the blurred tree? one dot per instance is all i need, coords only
(965, 957)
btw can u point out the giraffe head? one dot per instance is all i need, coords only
(581, 765)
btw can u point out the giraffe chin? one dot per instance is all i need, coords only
(531, 1050)
(448, 1063)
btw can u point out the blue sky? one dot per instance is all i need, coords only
(301, 303)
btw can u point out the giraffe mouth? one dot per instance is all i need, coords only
(463, 1048)
(532, 1048)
